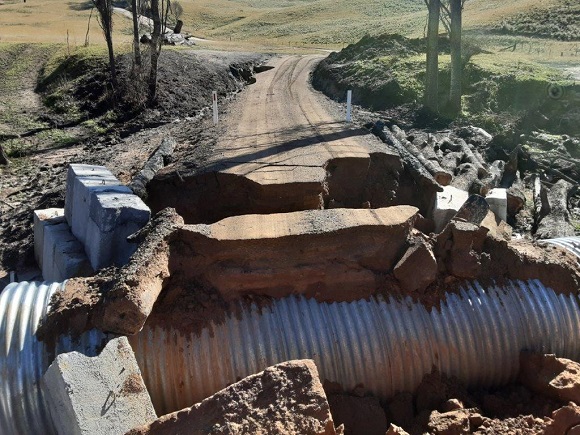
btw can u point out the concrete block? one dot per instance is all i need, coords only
(447, 204)
(76, 171)
(112, 218)
(97, 395)
(63, 254)
(497, 200)
(43, 218)
(84, 189)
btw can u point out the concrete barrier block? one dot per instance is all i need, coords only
(447, 204)
(112, 218)
(43, 218)
(83, 191)
(63, 254)
(75, 171)
(97, 395)
(497, 200)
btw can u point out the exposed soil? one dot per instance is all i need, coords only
(38, 180)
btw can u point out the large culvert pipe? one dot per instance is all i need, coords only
(387, 345)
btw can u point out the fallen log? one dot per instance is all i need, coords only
(439, 174)
(471, 157)
(157, 161)
(556, 223)
(419, 173)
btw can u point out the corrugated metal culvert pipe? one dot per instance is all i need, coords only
(386, 345)
(570, 243)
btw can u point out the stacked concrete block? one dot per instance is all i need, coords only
(102, 214)
(97, 395)
(497, 200)
(101, 175)
(447, 204)
(83, 185)
(113, 216)
(42, 219)
(63, 256)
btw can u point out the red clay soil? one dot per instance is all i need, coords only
(287, 398)
(180, 271)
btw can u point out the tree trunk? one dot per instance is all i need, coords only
(3, 157)
(136, 47)
(155, 50)
(105, 9)
(456, 64)
(432, 75)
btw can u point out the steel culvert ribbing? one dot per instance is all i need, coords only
(386, 345)
(23, 359)
(572, 244)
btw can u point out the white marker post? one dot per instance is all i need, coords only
(349, 106)
(215, 108)
(12, 276)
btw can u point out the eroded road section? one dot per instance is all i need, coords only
(284, 150)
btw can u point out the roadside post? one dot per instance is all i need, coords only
(349, 106)
(215, 108)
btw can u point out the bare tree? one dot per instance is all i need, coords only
(105, 9)
(159, 14)
(432, 73)
(136, 46)
(455, 13)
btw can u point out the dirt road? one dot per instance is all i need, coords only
(284, 147)
(281, 133)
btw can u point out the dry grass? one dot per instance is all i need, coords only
(269, 23)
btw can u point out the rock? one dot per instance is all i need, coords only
(97, 395)
(497, 228)
(359, 415)
(449, 423)
(554, 377)
(396, 430)
(459, 248)
(452, 405)
(418, 267)
(564, 420)
(285, 398)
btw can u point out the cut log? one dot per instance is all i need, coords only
(439, 174)
(420, 174)
(557, 221)
(157, 161)
(469, 156)
(466, 178)
(494, 177)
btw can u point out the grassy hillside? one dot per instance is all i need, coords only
(283, 22)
